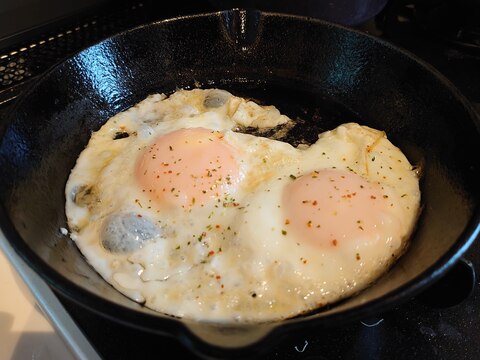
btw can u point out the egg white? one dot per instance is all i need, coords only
(227, 260)
(297, 276)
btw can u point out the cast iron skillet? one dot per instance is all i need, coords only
(311, 70)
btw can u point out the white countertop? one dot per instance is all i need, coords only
(25, 333)
(33, 323)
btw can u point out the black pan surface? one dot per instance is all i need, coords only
(316, 72)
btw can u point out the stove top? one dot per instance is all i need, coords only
(441, 323)
(436, 325)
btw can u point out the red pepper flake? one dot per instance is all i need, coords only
(309, 223)
(218, 277)
(287, 221)
(314, 202)
(334, 242)
(230, 204)
(372, 197)
(357, 256)
(211, 253)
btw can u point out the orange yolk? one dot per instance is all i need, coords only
(187, 167)
(332, 207)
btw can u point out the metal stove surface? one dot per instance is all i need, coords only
(441, 323)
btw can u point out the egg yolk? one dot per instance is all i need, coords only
(188, 167)
(333, 207)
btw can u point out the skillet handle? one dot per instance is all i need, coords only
(211, 341)
(453, 288)
(242, 28)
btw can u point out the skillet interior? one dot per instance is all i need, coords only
(311, 70)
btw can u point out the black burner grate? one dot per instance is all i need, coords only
(13, 71)
(31, 58)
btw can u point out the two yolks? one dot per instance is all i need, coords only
(190, 167)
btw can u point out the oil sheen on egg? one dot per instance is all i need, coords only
(178, 210)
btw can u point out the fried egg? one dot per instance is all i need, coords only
(178, 210)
